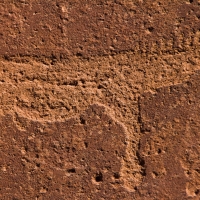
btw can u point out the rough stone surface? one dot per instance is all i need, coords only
(74, 27)
(99, 99)
(170, 146)
(79, 158)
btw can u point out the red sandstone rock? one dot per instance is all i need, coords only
(58, 29)
(71, 124)
(170, 142)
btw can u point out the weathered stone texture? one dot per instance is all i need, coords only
(99, 99)
(170, 142)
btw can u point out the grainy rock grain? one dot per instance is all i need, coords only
(99, 99)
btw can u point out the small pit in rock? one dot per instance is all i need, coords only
(72, 170)
(99, 177)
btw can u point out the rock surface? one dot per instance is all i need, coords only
(170, 146)
(79, 158)
(99, 99)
